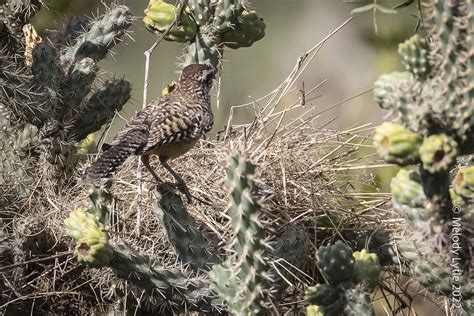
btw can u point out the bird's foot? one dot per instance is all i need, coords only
(171, 186)
(184, 189)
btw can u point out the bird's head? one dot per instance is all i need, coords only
(197, 74)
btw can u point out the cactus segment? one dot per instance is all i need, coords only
(336, 262)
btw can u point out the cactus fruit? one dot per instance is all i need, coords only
(438, 153)
(463, 184)
(158, 17)
(366, 268)
(321, 294)
(406, 189)
(396, 144)
(188, 242)
(242, 279)
(414, 53)
(336, 262)
(314, 310)
(92, 243)
(409, 199)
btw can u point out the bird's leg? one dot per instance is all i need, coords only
(146, 162)
(180, 182)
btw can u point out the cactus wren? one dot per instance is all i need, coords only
(168, 127)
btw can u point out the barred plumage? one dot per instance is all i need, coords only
(168, 127)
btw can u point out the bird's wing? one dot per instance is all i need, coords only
(174, 122)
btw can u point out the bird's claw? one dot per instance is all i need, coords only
(171, 186)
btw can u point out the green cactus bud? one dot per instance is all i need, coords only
(158, 17)
(86, 145)
(249, 29)
(397, 144)
(406, 188)
(408, 198)
(463, 183)
(438, 153)
(336, 262)
(92, 243)
(358, 303)
(366, 268)
(321, 294)
(455, 198)
(334, 309)
(415, 56)
(390, 90)
(314, 310)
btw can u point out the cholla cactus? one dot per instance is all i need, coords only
(48, 90)
(241, 280)
(208, 26)
(351, 275)
(50, 105)
(436, 105)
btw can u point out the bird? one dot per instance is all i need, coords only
(167, 127)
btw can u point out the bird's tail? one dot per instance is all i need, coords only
(113, 157)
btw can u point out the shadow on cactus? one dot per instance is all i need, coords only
(432, 104)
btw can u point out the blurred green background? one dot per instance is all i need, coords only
(350, 61)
